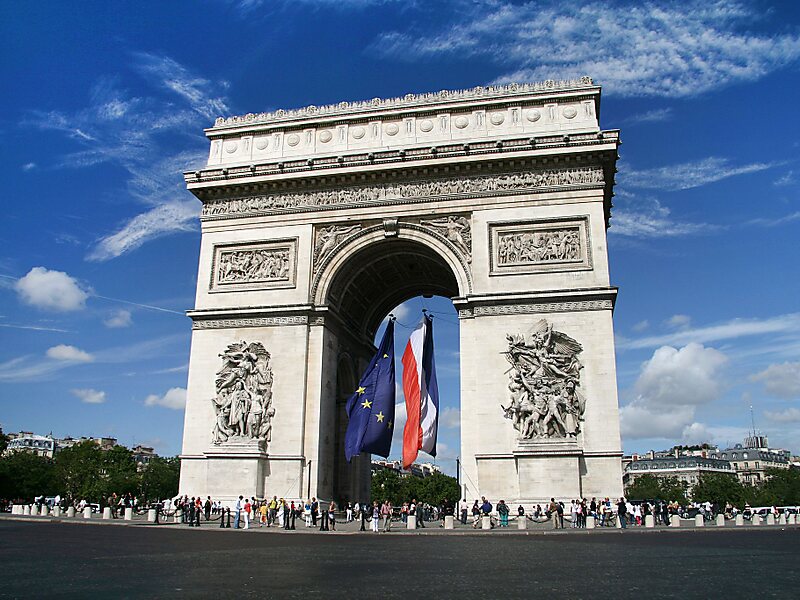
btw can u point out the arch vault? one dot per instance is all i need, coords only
(317, 222)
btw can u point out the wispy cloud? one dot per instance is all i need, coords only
(735, 328)
(688, 175)
(127, 131)
(764, 222)
(651, 116)
(785, 179)
(632, 48)
(646, 217)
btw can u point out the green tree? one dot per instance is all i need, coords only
(24, 475)
(159, 479)
(781, 488)
(674, 489)
(118, 472)
(79, 471)
(438, 487)
(3, 441)
(720, 489)
(645, 487)
(387, 484)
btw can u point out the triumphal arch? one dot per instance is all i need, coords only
(317, 222)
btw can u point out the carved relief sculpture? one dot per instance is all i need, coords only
(243, 402)
(544, 384)
(328, 238)
(250, 266)
(456, 230)
(531, 247)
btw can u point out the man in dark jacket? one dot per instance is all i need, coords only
(622, 513)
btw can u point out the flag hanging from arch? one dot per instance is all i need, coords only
(421, 392)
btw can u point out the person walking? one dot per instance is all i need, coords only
(376, 515)
(307, 513)
(622, 513)
(553, 510)
(349, 514)
(207, 508)
(362, 512)
(238, 514)
(332, 515)
(386, 513)
(247, 510)
(286, 515)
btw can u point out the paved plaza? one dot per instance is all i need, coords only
(80, 560)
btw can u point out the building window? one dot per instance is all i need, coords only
(756, 464)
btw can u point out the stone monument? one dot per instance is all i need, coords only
(316, 222)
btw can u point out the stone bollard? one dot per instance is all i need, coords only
(720, 520)
(770, 519)
(151, 515)
(34, 510)
(449, 522)
(782, 519)
(619, 522)
(177, 517)
(412, 522)
(486, 522)
(71, 511)
(56, 511)
(739, 520)
(129, 514)
(791, 519)
(107, 512)
(649, 521)
(675, 521)
(87, 512)
(45, 510)
(522, 522)
(591, 522)
(699, 521)
(27, 510)
(756, 520)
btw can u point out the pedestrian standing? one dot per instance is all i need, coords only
(247, 510)
(386, 514)
(376, 515)
(502, 510)
(208, 508)
(622, 513)
(332, 515)
(553, 510)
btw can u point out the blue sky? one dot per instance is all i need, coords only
(104, 107)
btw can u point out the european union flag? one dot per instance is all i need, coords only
(371, 407)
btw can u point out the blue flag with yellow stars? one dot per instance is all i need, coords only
(371, 407)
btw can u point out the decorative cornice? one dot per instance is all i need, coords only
(248, 322)
(409, 100)
(534, 308)
(384, 194)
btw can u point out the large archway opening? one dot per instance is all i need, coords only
(403, 277)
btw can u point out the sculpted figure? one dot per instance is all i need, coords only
(544, 383)
(330, 237)
(243, 403)
(456, 230)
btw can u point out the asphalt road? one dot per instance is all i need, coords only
(47, 560)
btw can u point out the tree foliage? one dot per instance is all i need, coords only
(650, 487)
(720, 489)
(85, 471)
(390, 485)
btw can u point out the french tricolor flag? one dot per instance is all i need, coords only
(421, 392)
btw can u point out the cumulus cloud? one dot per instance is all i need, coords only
(780, 380)
(450, 417)
(679, 321)
(89, 396)
(68, 353)
(788, 415)
(118, 319)
(670, 387)
(51, 290)
(632, 48)
(174, 398)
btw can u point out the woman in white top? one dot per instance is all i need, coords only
(307, 513)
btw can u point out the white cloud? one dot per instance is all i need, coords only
(118, 319)
(29, 166)
(670, 387)
(632, 48)
(679, 321)
(651, 116)
(788, 415)
(89, 396)
(51, 290)
(646, 217)
(781, 380)
(687, 175)
(733, 329)
(785, 179)
(68, 353)
(641, 326)
(450, 417)
(175, 398)
(765, 222)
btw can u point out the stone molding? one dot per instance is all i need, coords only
(534, 307)
(235, 323)
(424, 191)
(409, 100)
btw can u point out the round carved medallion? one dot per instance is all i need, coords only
(392, 129)
(359, 132)
(498, 118)
(461, 122)
(426, 125)
(231, 147)
(262, 143)
(293, 139)
(325, 136)
(570, 112)
(533, 115)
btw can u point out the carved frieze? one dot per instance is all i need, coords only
(533, 246)
(546, 400)
(243, 401)
(398, 192)
(257, 265)
(456, 230)
(248, 322)
(327, 239)
(533, 308)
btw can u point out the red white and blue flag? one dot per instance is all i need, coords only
(421, 392)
